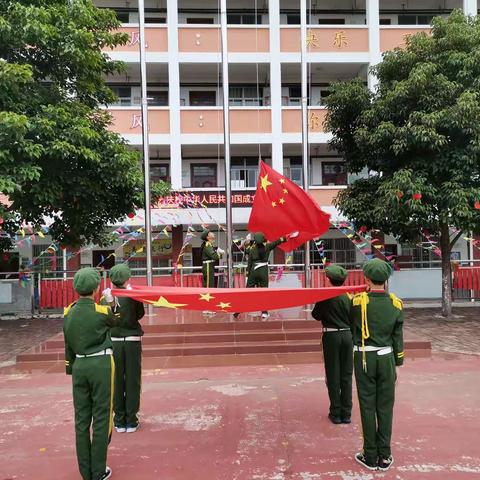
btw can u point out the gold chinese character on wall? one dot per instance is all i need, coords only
(313, 121)
(340, 39)
(311, 40)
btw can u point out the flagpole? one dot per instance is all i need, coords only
(305, 159)
(146, 150)
(226, 140)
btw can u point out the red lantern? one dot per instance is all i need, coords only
(131, 215)
(417, 196)
(477, 205)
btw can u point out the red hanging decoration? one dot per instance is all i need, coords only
(477, 205)
(131, 215)
(417, 196)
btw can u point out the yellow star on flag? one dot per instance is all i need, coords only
(265, 182)
(282, 181)
(223, 305)
(206, 296)
(282, 201)
(274, 204)
(163, 302)
(285, 190)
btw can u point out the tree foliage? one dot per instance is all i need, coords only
(418, 135)
(58, 158)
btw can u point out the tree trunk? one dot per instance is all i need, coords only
(446, 271)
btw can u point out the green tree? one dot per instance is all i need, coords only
(418, 135)
(58, 159)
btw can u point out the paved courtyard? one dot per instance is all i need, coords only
(253, 422)
(248, 423)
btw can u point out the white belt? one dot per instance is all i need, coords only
(368, 348)
(208, 261)
(107, 351)
(261, 264)
(335, 329)
(126, 339)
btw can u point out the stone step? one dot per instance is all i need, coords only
(40, 353)
(214, 337)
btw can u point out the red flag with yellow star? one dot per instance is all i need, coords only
(281, 208)
(231, 299)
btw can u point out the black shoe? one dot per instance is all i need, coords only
(360, 458)
(384, 463)
(334, 419)
(346, 420)
(236, 315)
(107, 474)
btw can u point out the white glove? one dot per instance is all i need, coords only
(248, 238)
(129, 287)
(220, 252)
(107, 293)
(293, 235)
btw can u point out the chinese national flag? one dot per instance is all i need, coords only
(281, 207)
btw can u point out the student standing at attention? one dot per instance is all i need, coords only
(127, 352)
(89, 359)
(334, 314)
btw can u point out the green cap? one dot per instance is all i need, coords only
(259, 237)
(120, 273)
(204, 235)
(86, 281)
(377, 270)
(336, 272)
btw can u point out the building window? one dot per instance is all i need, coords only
(324, 93)
(155, 19)
(415, 19)
(157, 98)
(293, 19)
(124, 95)
(159, 172)
(385, 21)
(418, 256)
(244, 173)
(123, 17)
(295, 171)
(334, 173)
(336, 250)
(243, 19)
(46, 262)
(200, 21)
(203, 175)
(294, 95)
(246, 96)
(331, 21)
(203, 99)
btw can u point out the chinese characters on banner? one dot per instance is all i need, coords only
(205, 199)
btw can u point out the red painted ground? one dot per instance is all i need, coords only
(247, 423)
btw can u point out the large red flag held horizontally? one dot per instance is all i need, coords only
(281, 207)
(231, 299)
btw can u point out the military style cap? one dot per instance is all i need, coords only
(120, 273)
(259, 237)
(86, 280)
(377, 270)
(336, 272)
(204, 235)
